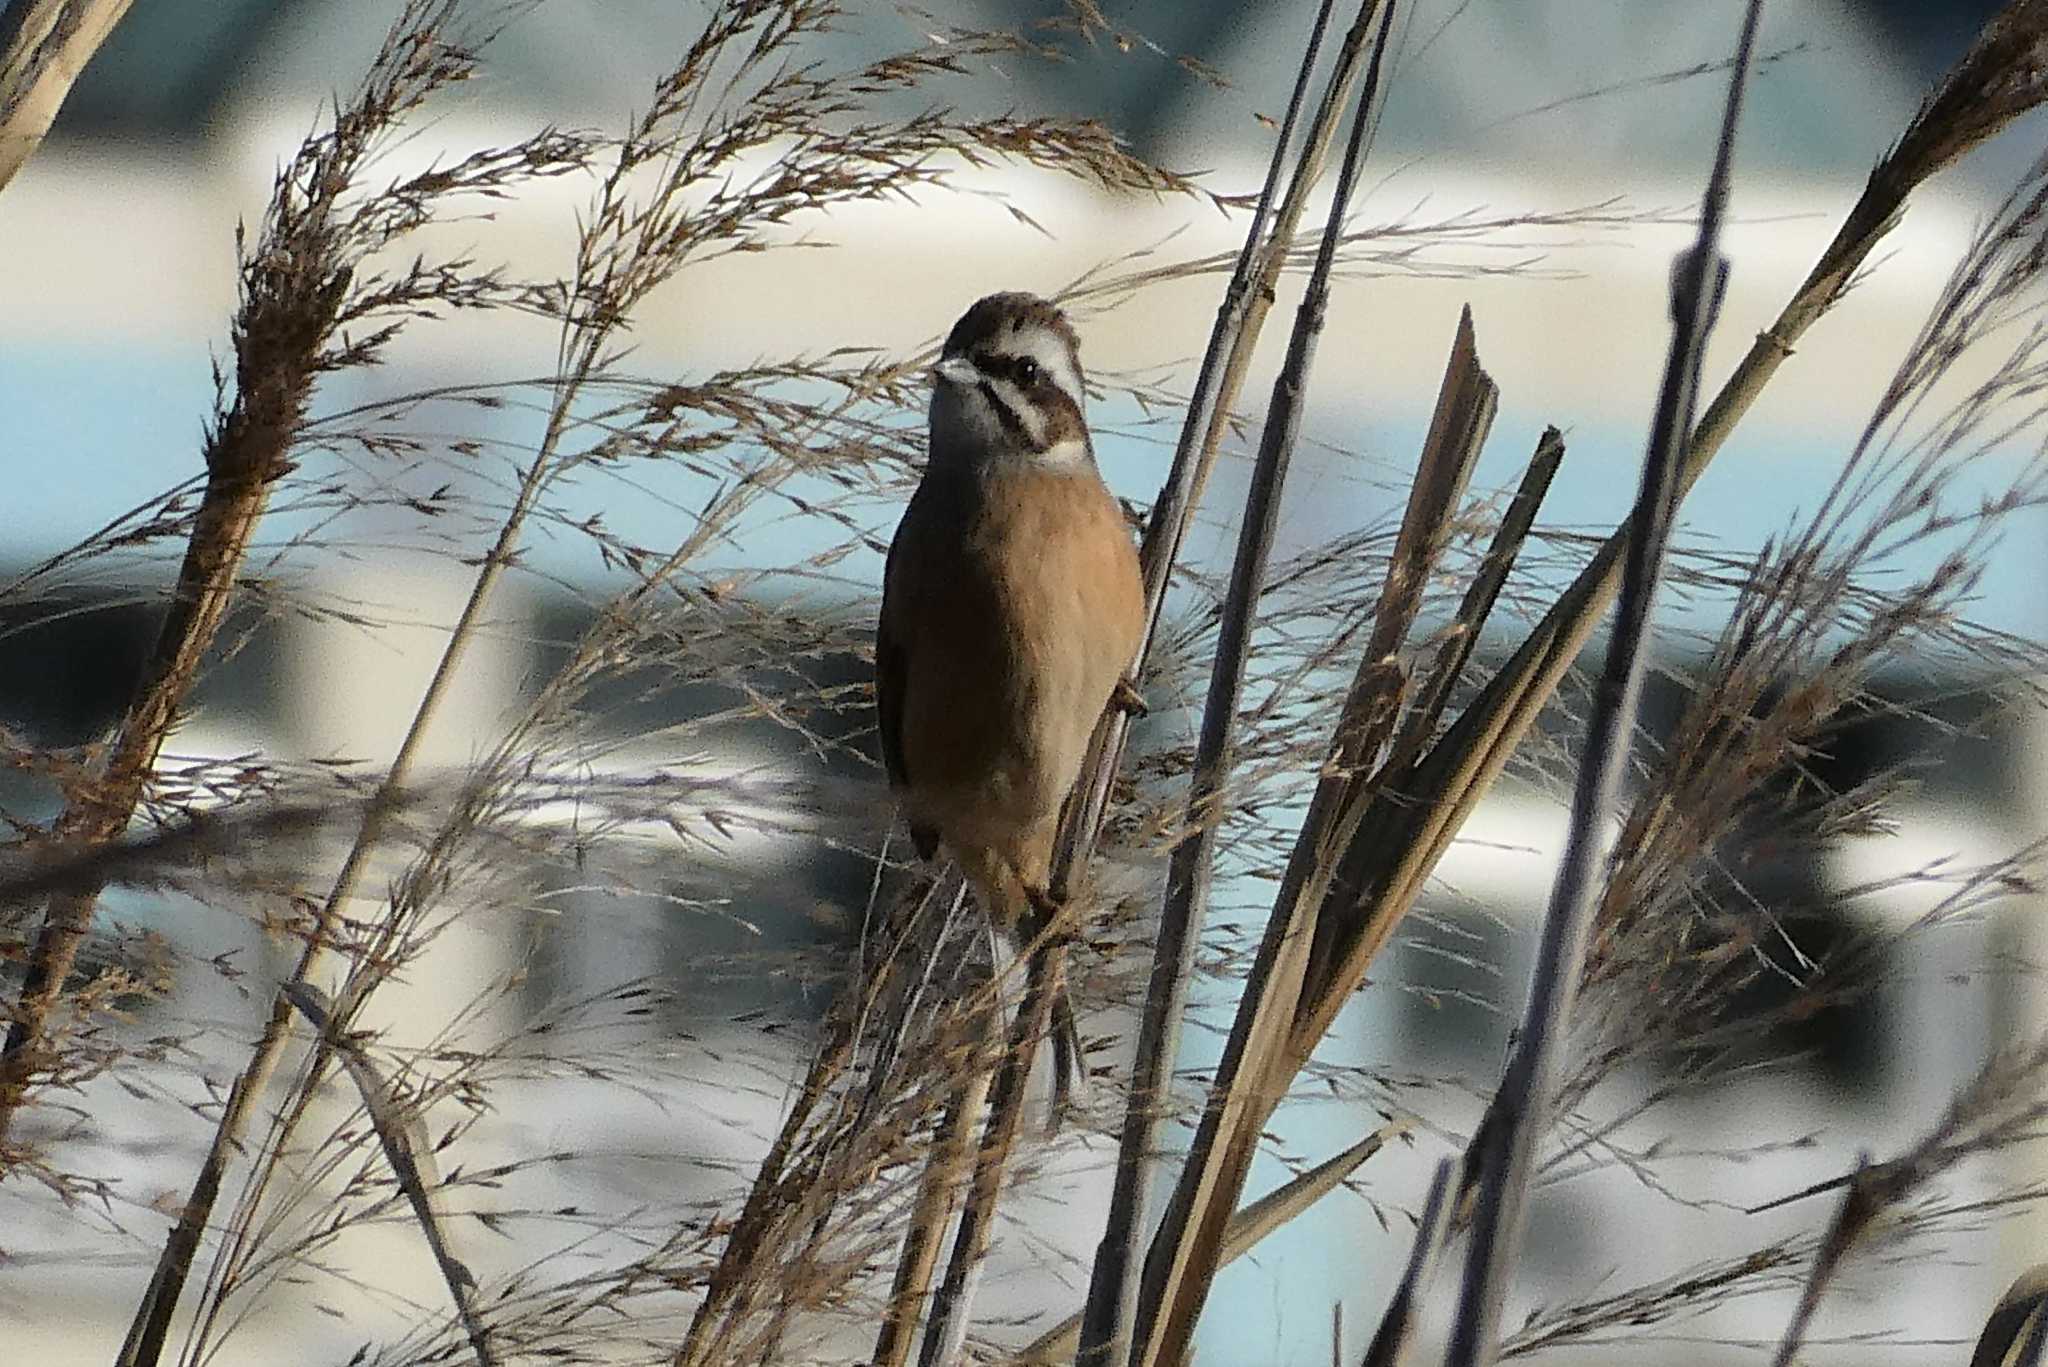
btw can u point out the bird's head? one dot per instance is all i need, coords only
(1007, 386)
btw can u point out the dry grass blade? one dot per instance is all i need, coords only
(1860, 1205)
(1504, 1149)
(736, 1273)
(144, 1342)
(1182, 1259)
(44, 47)
(1397, 1327)
(1247, 1227)
(2017, 1329)
(411, 1155)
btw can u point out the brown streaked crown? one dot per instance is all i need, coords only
(1001, 315)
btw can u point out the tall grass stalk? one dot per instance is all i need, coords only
(1505, 1148)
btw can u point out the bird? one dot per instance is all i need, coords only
(1012, 608)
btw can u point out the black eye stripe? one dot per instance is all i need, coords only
(1023, 371)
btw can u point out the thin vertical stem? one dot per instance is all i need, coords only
(1507, 1142)
(938, 1191)
(1217, 384)
(946, 1330)
(1113, 1284)
(1177, 1272)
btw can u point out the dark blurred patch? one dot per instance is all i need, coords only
(169, 66)
(67, 668)
(70, 665)
(172, 65)
(1930, 34)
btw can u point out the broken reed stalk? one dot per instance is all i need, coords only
(1996, 81)
(1391, 849)
(44, 48)
(1519, 1116)
(285, 318)
(1247, 1227)
(1159, 1329)
(1432, 1230)
(1466, 402)
(410, 1153)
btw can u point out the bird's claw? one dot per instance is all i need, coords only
(1127, 699)
(1055, 928)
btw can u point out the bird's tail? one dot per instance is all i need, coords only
(1069, 1069)
(1027, 924)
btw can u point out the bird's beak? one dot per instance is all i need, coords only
(955, 370)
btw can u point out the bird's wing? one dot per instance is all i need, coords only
(902, 601)
(892, 660)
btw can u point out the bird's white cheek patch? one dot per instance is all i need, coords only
(1072, 451)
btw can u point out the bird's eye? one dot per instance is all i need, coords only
(1028, 372)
